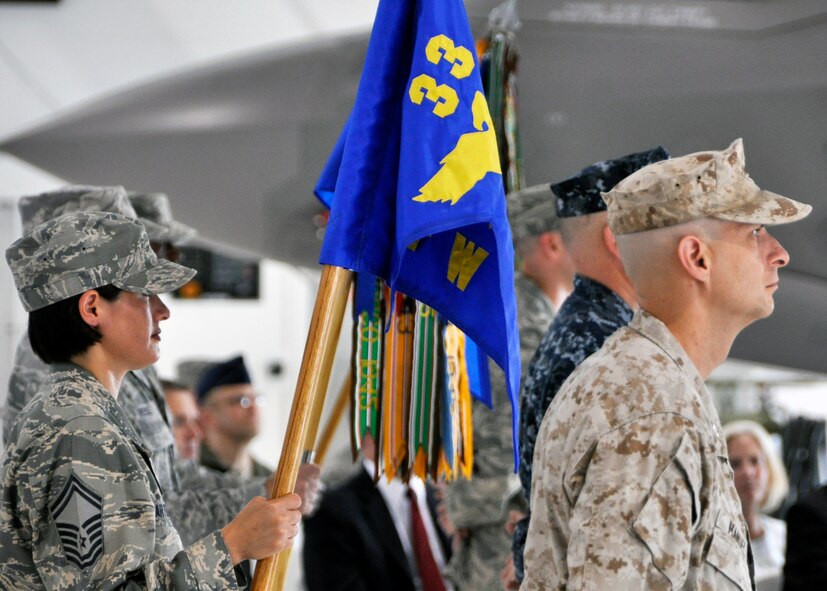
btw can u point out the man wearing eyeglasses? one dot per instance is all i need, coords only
(230, 418)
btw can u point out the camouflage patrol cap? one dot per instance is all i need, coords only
(580, 194)
(36, 209)
(189, 371)
(78, 251)
(531, 212)
(155, 211)
(704, 184)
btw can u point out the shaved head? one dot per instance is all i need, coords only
(653, 252)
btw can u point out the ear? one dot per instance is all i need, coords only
(610, 241)
(551, 244)
(89, 307)
(694, 257)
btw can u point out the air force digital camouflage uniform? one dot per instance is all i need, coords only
(632, 487)
(80, 506)
(198, 501)
(586, 319)
(477, 505)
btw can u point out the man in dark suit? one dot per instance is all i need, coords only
(806, 563)
(358, 541)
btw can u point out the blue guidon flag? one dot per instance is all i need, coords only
(414, 184)
(77, 512)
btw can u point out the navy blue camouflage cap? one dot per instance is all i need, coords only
(155, 212)
(531, 212)
(581, 194)
(36, 209)
(224, 373)
(84, 250)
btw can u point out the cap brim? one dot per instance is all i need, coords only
(767, 208)
(163, 277)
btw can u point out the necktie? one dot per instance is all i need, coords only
(429, 574)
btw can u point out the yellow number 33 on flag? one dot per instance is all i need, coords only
(443, 96)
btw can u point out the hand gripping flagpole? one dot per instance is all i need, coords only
(314, 376)
(315, 453)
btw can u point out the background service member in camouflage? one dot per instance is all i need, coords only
(632, 488)
(475, 507)
(80, 505)
(602, 301)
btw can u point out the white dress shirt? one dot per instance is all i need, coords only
(394, 494)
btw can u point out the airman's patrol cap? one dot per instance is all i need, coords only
(36, 209)
(155, 211)
(580, 194)
(84, 250)
(531, 212)
(711, 184)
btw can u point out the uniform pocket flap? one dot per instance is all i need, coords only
(667, 519)
(726, 557)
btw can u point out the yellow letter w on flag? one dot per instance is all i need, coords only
(464, 262)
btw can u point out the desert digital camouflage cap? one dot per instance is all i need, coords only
(155, 211)
(711, 184)
(84, 250)
(531, 212)
(36, 209)
(581, 193)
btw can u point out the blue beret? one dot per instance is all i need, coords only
(224, 373)
(580, 194)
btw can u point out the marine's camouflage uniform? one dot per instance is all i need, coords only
(198, 500)
(632, 488)
(81, 507)
(586, 319)
(477, 505)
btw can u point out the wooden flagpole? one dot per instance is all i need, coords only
(334, 419)
(316, 453)
(319, 350)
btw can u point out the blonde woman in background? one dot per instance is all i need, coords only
(762, 485)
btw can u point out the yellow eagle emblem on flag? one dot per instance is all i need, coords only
(474, 156)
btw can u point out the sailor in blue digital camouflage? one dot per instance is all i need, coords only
(80, 507)
(198, 501)
(475, 507)
(632, 487)
(602, 302)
